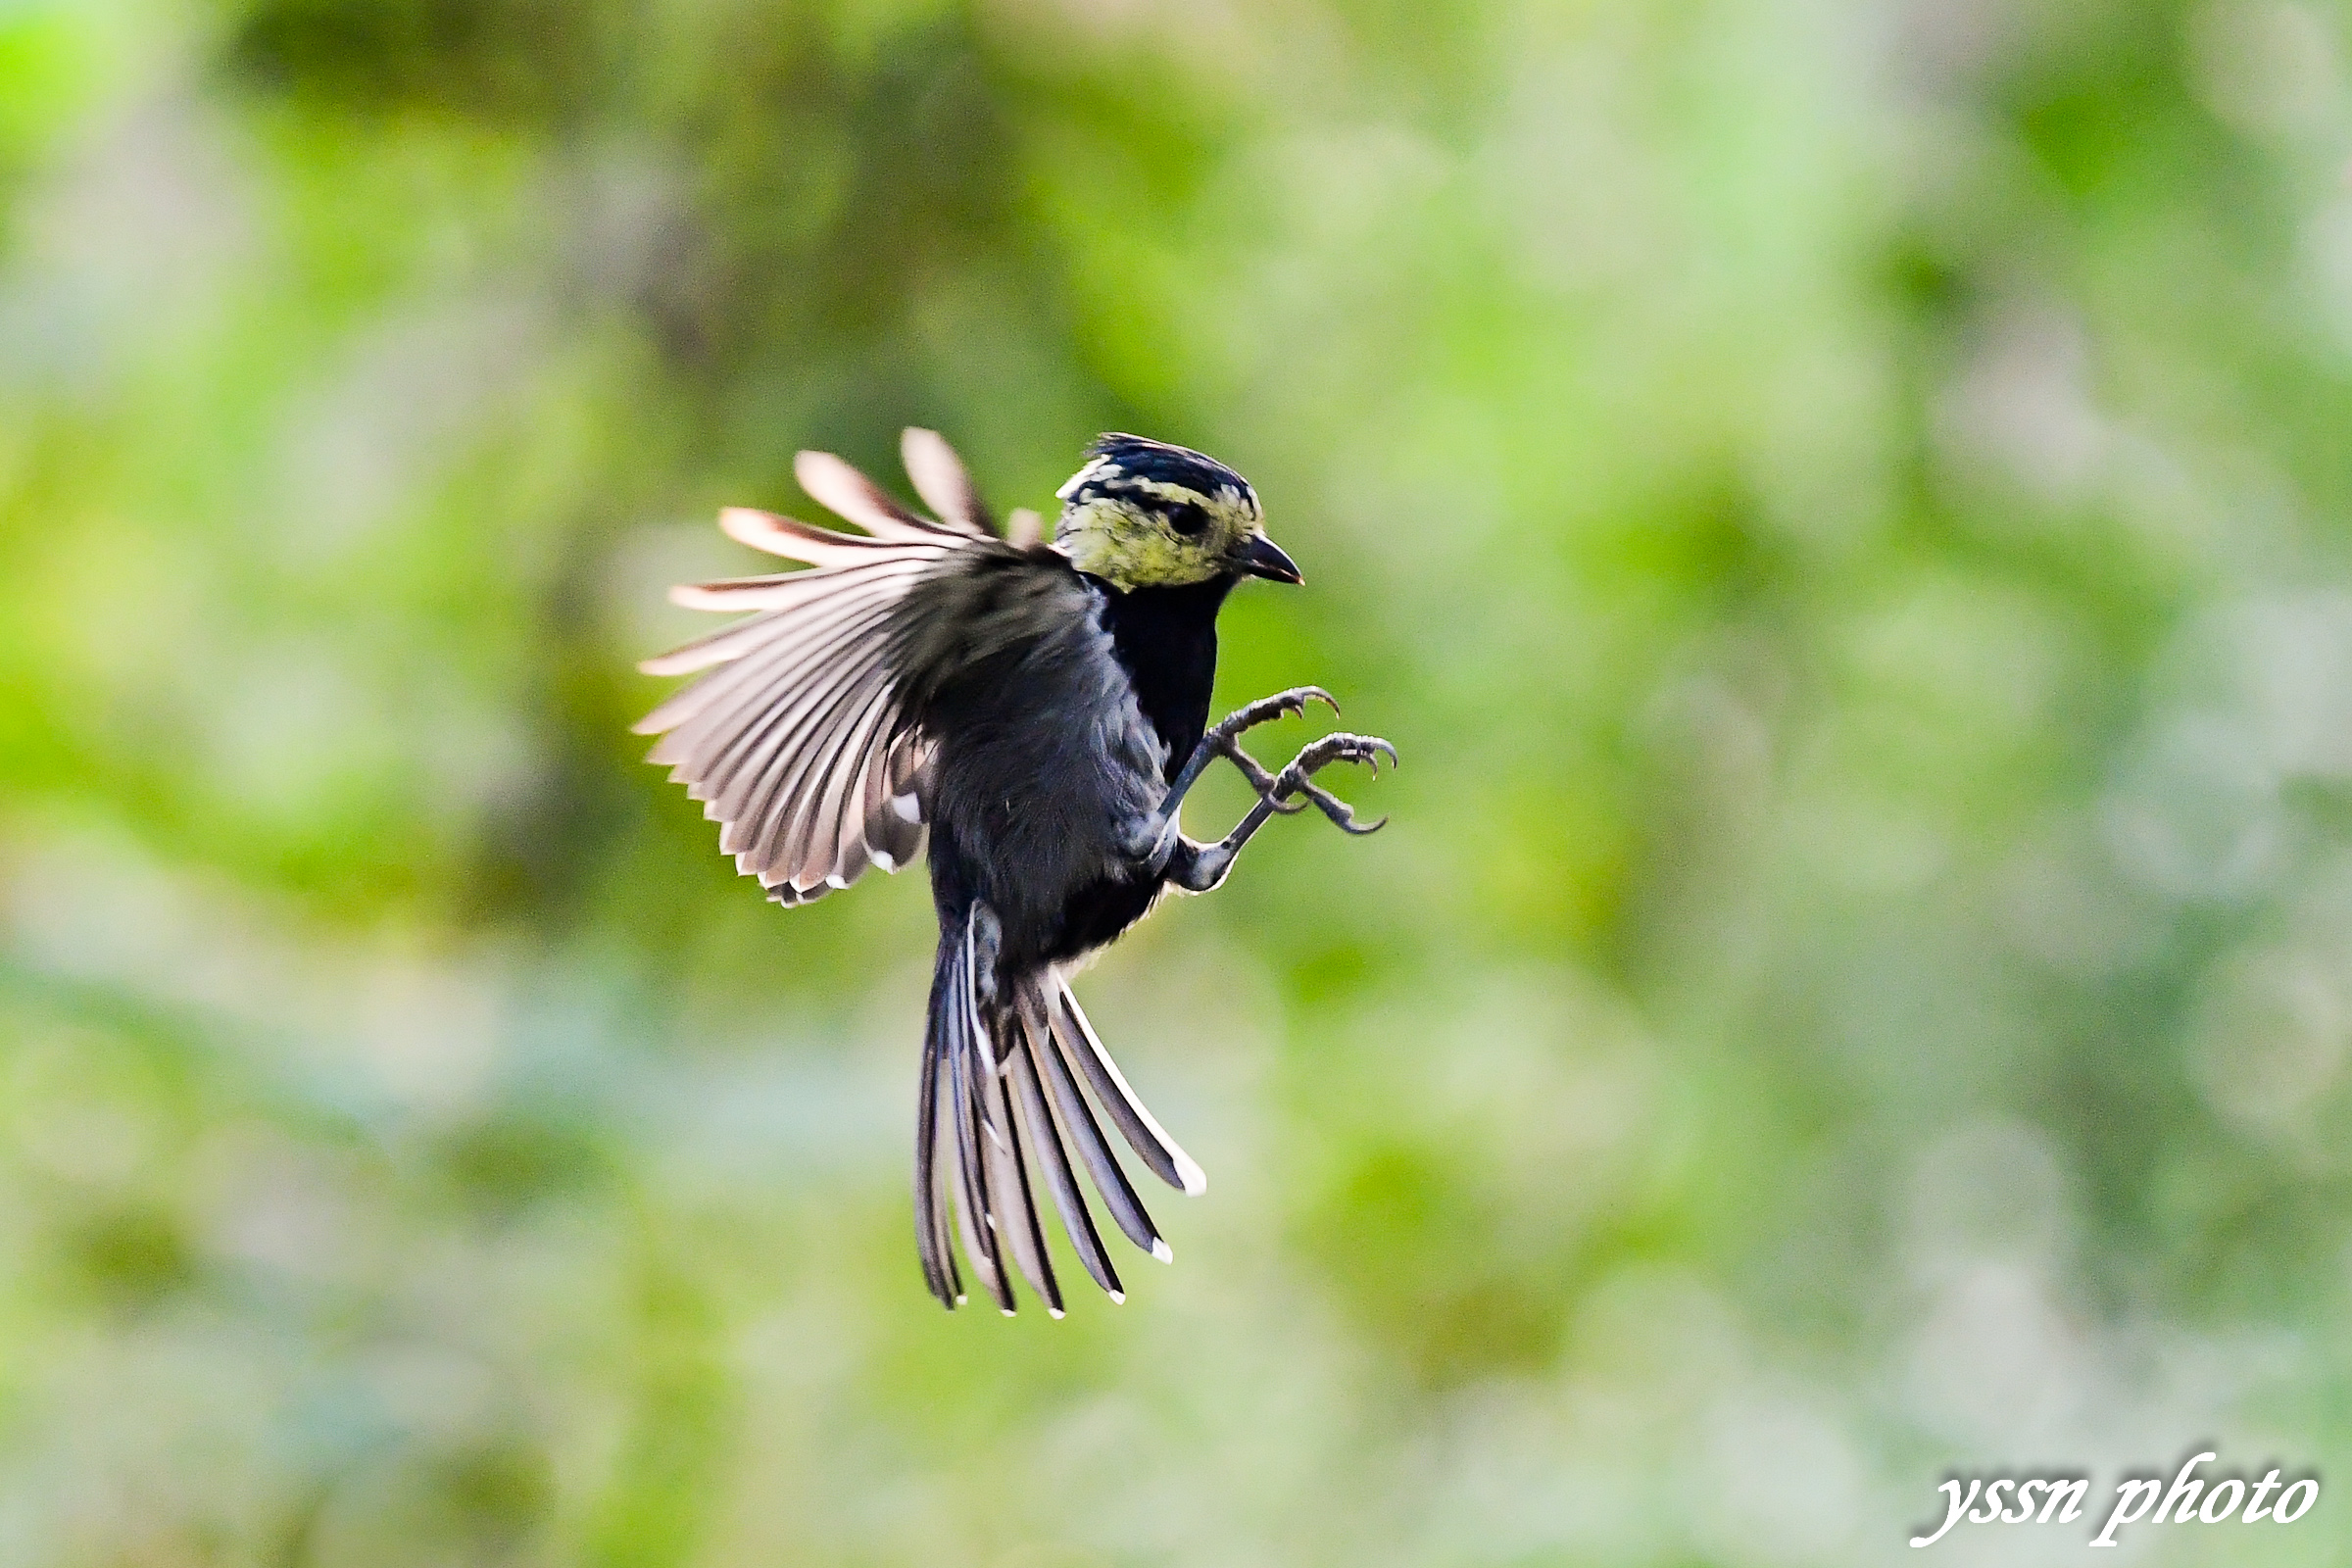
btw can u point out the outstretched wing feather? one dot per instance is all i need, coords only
(795, 737)
(811, 811)
(941, 479)
(843, 489)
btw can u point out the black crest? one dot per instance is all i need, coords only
(1116, 460)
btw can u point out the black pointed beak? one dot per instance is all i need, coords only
(1265, 558)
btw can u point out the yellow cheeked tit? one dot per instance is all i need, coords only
(1035, 713)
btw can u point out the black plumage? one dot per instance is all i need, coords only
(1040, 710)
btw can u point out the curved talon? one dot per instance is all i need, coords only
(1367, 749)
(1152, 839)
(1295, 700)
(1296, 778)
(1202, 866)
(1266, 708)
(1341, 814)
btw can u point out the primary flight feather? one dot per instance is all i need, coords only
(1037, 711)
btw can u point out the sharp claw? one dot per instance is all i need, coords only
(1340, 811)
(1296, 778)
(1267, 709)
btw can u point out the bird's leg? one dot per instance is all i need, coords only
(1153, 836)
(1198, 868)
(1224, 740)
(988, 945)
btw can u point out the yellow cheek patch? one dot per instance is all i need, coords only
(1128, 548)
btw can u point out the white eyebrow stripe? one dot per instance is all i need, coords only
(1078, 481)
(1165, 490)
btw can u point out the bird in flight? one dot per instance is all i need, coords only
(1038, 710)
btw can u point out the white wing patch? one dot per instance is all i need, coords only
(795, 739)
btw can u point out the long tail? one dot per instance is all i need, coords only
(1000, 1095)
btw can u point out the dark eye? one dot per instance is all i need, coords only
(1187, 518)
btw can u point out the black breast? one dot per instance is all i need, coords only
(1021, 669)
(1166, 640)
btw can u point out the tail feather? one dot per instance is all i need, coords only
(1157, 1150)
(1076, 1221)
(974, 1223)
(1000, 1096)
(1078, 1118)
(972, 1211)
(930, 1214)
(1016, 1207)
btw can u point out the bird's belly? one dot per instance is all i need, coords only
(1036, 831)
(1057, 895)
(1094, 914)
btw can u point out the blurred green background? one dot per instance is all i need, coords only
(1845, 505)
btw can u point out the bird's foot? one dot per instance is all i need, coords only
(1224, 736)
(1260, 777)
(1267, 709)
(1297, 777)
(1201, 868)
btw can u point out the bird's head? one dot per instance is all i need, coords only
(1146, 515)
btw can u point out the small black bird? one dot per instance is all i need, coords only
(1042, 709)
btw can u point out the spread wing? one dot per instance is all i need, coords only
(795, 739)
